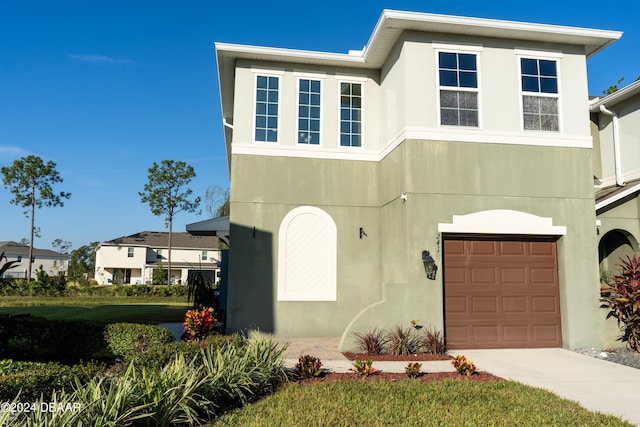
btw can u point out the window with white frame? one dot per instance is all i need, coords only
(539, 84)
(458, 80)
(267, 99)
(158, 253)
(350, 114)
(204, 256)
(309, 111)
(129, 252)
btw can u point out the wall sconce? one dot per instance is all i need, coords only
(430, 266)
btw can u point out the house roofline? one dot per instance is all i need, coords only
(617, 196)
(388, 29)
(616, 97)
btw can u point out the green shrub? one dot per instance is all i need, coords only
(238, 374)
(371, 341)
(128, 339)
(309, 366)
(364, 368)
(43, 378)
(413, 369)
(433, 342)
(184, 392)
(463, 365)
(622, 297)
(403, 341)
(63, 340)
(56, 286)
(10, 366)
(157, 357)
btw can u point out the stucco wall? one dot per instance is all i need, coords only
(381, 280)
(629, 124)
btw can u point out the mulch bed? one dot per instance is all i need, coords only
(328, 377)
(397, 376)
(419, 357)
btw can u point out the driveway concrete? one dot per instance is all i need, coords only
(595, 384)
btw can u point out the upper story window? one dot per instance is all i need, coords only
(267, 100)
(458, 78)
(204, 255)
(539, 80)
(158, 253)
(19, 258)
(350, 114)
(309, 111)
(129, 252)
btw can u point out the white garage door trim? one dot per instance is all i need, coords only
(502, 221)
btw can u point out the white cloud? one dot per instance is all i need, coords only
(94, 58)
(10, 152)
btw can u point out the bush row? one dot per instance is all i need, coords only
(32, 380)
(399, 340)
(20, 287)
(39, 339)
(152, 347)
(33, 340)
(184, 392)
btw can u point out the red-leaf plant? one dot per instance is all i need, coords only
(198, 324)
(622, 297)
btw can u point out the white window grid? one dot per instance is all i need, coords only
(308, 127)
(351, 120)
(459, 49)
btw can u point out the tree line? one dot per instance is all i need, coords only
(167, 193)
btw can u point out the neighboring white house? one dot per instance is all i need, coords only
(132, 259)
(52, 262)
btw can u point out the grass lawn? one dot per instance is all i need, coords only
(407, 402)
(108, 309)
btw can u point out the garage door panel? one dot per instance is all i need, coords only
(513, 275)
(457, 336)
(501, 294)
(484, 304)
(542, 248)
(540, 275)
(516, 334)
(514, 304)
(483, 275)
(546, 333)
(544, 305)
(480, 247)
(457, 305)
(456, 247)
(512, 248)
(485, 334)
(456, 275)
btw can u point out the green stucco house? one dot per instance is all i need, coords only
(466, 138)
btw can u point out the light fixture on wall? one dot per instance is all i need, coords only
(430, 266)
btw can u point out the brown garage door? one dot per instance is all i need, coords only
(501, 293)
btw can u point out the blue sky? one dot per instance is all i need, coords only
(106, 88)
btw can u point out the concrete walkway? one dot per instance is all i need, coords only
(595, 384)
(326, 349)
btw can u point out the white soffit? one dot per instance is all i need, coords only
(502, 221)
